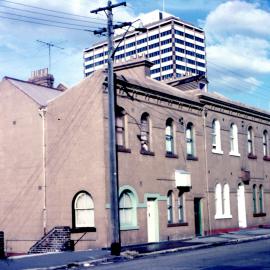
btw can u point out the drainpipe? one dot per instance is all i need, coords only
(42, 113)
(206, 168)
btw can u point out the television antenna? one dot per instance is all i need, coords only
(50, 45)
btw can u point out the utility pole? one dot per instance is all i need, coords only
(50, 45)
(114, 205)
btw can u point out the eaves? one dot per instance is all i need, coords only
(231, 106)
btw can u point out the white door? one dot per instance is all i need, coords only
(242, 217)
(152, 220)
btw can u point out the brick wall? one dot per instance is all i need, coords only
(58, 239)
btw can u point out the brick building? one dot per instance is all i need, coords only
(189, 162)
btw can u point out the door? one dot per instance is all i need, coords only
(152, 220)
(242, 217)
(198, 216)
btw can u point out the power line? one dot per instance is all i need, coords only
(222, 68)
(50, 10)
(50, 15)
(52, 25)
(45, 20)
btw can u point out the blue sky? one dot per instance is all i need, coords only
(238, 40)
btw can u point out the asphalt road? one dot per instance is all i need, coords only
(246, 256)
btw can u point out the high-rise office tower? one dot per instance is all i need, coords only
(176, 48)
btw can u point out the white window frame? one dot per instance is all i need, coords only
(216, 137)
(265, 144)
(86, 209)
(169, 136)
(226, 202)
(181, 207)
(234, 141)
(120, 122)
(190, 140)
(145, 132)
(222, 201)
(218, 201)
(250, 140)
(170, 207)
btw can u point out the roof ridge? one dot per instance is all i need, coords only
(39, 85)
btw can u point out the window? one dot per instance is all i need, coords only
(250, 140)
(258, 201)
(169, 136)
(190, 141)
(170, 207)
(223, 205)
(254, 197)
(83, 210)
(265, 144)
(261, 200)
(120, 126)
(181, 217)
(234, 140)
(145, 132)
(218, 201)
(127, 209)
(226, 201)
(216, 140)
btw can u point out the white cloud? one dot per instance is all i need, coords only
(237, 16)
(241, 53)
(238, 45)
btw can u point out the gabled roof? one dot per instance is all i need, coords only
(40, 94)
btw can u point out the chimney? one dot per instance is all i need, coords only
(42, 77)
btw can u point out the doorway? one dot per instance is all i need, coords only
(152, 220)
(242, 216)
(198, 216)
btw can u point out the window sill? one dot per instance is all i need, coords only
(235, 154)
(219, 152)
(252, 156)
(223, 217)
(171, 155)
(83, 229)
(191, 157)
(123, 149)
(147, 153)
(266, 158)
(259, 214)
(177, 224)
(129, 228)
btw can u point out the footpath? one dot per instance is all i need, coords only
(88, 258)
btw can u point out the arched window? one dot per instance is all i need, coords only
(181, 213)
(190, 140)
(265, 144)
(234, 140)
(83, 210)
(254, 197)
(216, 138)
(170, 207)
(226, 200)
(145, 132)
(120, 126)
(169, 136)
(250, 138)
(127, 209)
(218, 199)
(261, 200)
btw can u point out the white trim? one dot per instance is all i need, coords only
(236, 154)
(216, 151)
(223, 216)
